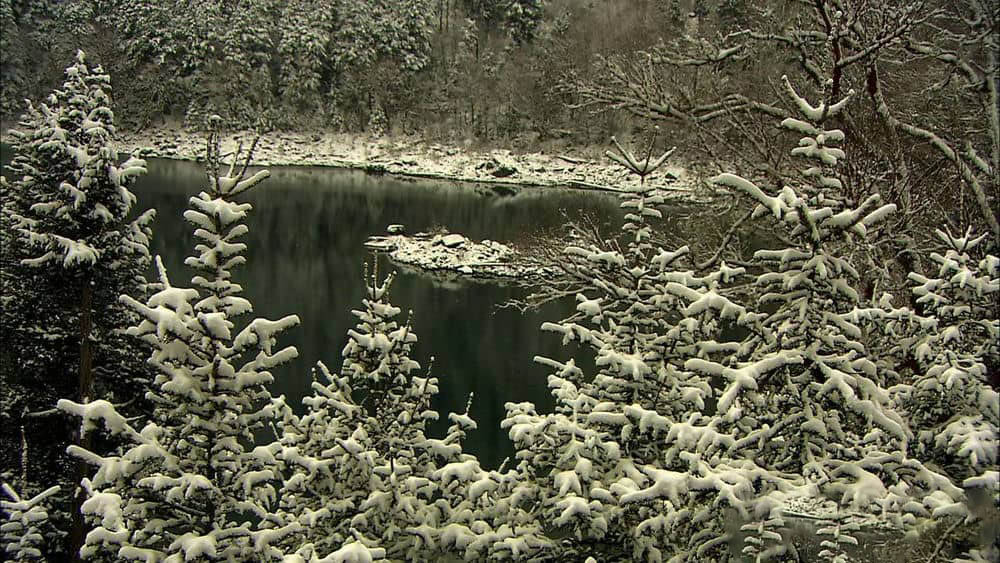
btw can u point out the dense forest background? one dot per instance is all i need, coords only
(487, 69)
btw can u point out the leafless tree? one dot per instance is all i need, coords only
(927, 118)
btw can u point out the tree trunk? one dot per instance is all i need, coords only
(86, 385)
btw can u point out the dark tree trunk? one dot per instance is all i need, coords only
(86, 385)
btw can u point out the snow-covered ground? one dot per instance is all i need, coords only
(408, 156)
(453, 256)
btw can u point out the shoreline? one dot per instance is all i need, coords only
(408, 157)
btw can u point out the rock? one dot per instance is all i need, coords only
(503, 171)
(466, 270)
(381, 244)
(395, 229)
(453, 240)
(497, 168)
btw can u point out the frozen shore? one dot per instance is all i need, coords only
(408, 156)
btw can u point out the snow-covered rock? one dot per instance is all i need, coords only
(453, 240)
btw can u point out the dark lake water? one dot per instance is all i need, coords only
(306, 257)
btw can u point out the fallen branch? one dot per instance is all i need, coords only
(588, 186)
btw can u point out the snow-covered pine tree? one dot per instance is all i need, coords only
(69, 249)
(190, 483)
(583, 468)
(522, 19)
(802, 396)
(485, 519)
(304, 30)
(950, 404)
(376, 359)
(361, 470)
(23, 525)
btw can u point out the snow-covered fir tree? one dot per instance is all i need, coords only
(70, 247)
(582, 469)
(522, 19)
(685, 447)
(190, 483)
(950, 402)
(362, 473)
(24, 523)
(803, 397)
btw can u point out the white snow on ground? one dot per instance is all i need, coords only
(406, 156)
(455, 254)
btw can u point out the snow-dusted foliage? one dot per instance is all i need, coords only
(67, 236)
(522, 19)
(23, 524)
(189, 483)
(305, 29)
(74, 189)
(362, 473)
(951, 405)
(607, 471)
(377, 363)
(803, 397)
(68, 249)
(687, 447)
(65, 215)
(260, 60)
(802, 375)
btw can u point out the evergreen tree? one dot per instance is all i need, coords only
(583, 467)
(22, 533)
(522, 19)
(362, 471)
(949, 403)
(646, 460)
(303, 46)
(189, 483)
(803, 397)
(69, 249)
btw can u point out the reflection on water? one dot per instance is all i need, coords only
(306, 257)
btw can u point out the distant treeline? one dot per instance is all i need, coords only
(484, 69)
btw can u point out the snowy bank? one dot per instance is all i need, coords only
(452, 256)
(408, 156)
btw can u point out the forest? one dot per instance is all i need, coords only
(815, 381)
